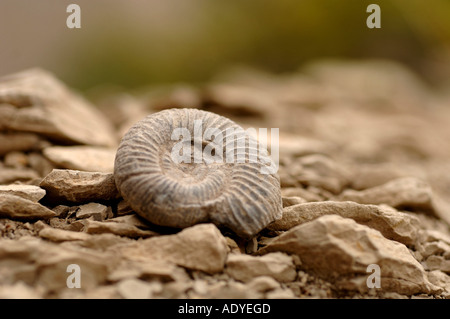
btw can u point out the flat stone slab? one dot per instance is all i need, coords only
(30, 192)
(35, 101)
(83, 158)
(16, 207)
(79, 187)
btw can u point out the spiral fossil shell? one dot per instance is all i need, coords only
(168, 193)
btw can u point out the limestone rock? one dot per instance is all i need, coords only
(263, 284)
(402, 192)
(137, 289)
(155, 269)
(40, 164)
(392, 224)
(12, 142)
(340, 250)
(95, 210)
(79, 187)
(39, 103)
(372, 175)
(15, 160)
(294, 200)
(200, 247)
(407, 192)
(300, 192)
(121, 229)
(30, 192)
(83, 158)
(440, 279)
(221, 289)
(431, 235)
(10, 175)
(276, 265)
(438, 263)
(434, 248)
(321, 171)
(19, 290)
(280, 293)
(59, 235)
(15, 207)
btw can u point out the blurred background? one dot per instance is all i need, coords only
(133, 43)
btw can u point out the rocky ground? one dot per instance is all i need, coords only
(364, 161)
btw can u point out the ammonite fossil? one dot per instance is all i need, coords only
(180, 167)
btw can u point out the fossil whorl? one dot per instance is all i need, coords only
(168, 192)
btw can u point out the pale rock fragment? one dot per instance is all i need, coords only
(224, 290)
(137, 289)
(437, 263)
(293, 200)
(340, 250)
(200, 247)
(83, 158)
(440, 279)
(10, 175)
(432, 235)
(37, 102)
(40, 164)
(60, 235)
(19, 290)
(372, 175)
(15, 160)
(408, 192)
(391, 223)
(280, 293)
(155, 269)
(263, 284)
(434, 248)
(300, 192)
(246, 267)
(16, 207)
(323, 172)
(79, 187)
(95, 210)
(232, 245)
(402, 192)
(65, 223)
(176, 289)
(13, 142)
(121, 229)
(30, 192)
(102, 242)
